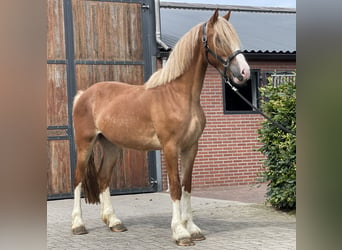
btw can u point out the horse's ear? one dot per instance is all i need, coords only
(214, 17)
(227, 16)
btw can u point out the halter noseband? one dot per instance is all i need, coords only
(225, 63)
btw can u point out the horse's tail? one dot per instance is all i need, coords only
(90, 183)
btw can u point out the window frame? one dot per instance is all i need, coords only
(255, 82)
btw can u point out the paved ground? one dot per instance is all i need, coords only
(227, 224)
(246, 194)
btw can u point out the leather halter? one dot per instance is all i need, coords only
(225, 63)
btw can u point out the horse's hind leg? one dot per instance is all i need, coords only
(108, 214)
(77, 226)
(110, 154)
(187, 161)
(83, 151)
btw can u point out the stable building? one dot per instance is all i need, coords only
(228, 153)
(91, 41)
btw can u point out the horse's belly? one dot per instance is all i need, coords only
(134, 140)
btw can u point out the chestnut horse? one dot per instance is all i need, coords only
(163, 114)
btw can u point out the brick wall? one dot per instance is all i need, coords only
(274, 65)
(227, 153)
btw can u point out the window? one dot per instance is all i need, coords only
(233, 104)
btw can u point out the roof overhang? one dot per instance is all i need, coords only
(270, 56)
(251, 55)
(207, 6)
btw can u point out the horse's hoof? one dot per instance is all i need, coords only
(79, 230)
(184, 242)
(118, 228)
(197, 236)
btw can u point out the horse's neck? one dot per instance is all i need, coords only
(191, 82)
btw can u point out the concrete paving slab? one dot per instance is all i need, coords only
(226, 225)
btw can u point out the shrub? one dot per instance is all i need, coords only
(279, 147)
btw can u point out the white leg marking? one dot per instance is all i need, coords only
(187, 213)
(107, 211)
(178, 228)
(168, 184)
(77, 211)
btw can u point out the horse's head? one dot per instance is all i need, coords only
(222, 48)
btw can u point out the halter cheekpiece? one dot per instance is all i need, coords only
(225, 63)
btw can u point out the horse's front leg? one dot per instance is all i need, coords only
(187, 161)
(179, 232)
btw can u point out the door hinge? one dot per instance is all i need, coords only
(145, 6)
(153, 182)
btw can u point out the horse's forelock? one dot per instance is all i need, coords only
(227, 36)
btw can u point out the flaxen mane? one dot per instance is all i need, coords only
(181, 56)
(179, 60)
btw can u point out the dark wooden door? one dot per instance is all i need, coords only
(88, 42)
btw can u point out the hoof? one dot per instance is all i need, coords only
(118, 228)
(79, 230)
(185, 242)
(197, 236)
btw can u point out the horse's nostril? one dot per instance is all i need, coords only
(243, 72)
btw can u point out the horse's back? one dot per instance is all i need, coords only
(105, 94)
(112, 87)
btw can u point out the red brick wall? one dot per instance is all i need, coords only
(227, 153)
(272, 66)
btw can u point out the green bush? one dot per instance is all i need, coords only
(279, 147)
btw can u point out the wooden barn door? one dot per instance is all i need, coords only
(92, 41)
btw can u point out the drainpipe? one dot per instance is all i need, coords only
(164, 59)
(158, 33)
